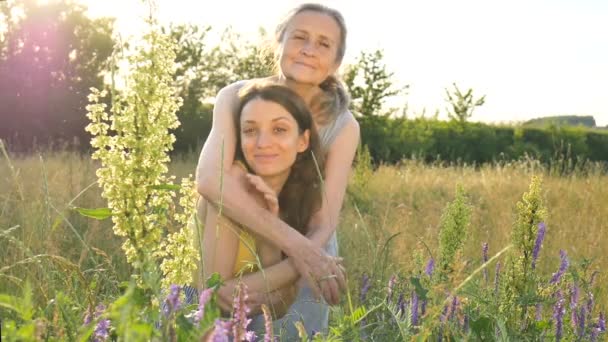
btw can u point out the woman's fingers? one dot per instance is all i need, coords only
(273, 203)
(269, 195)
(259, 184)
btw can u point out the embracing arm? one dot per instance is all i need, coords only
(338, 166)
(273, 285)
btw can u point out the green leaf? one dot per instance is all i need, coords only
(420, 290)
(98, 213)
(482, 327)
(174, 187)
(214, 280)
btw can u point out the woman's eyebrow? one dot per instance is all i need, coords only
(281, 118)
(321, 35)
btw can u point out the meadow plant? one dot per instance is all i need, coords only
(453, 231)
(132, 142)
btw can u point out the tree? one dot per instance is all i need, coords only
(202, 70)
(370, 84)
(52, 54)
(462, 105)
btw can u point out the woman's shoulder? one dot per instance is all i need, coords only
(348, 122)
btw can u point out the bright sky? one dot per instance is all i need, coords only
(530, 58)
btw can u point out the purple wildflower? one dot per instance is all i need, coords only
(590, 304)
(250, 336)
(391, 285)
(87, 317)
(269, 334)
(558, 314)
(172, 300)
(540, 236)
(202, 301)
(574, 296)
(444, 314)
(430, 267)
(484, 255)
(453, 307)
(365, 285)
(401, 304)
(414, 308)
(581, 322)
(221, 331)
(594, 334)
(101, 332)
(602, 322)
(496, 277)
(562, 267)
(241, 310)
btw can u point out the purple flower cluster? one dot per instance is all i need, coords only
(414, 308)
(562, 267)
(484, 255)
(540, 236)
(102, 329)
(202, 301)
(172, 301)
(558, 315)
(269, 334)
(240, 322)
(430, 267)
(401, 304)
(391, 285)
(496, 278)
(221, 331)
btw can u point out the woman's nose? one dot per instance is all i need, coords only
(264, 140)
(308, 49)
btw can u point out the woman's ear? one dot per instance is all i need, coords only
(303, 141)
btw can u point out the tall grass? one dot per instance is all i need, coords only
(390, 215)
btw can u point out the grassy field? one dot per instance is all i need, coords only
(43, 240)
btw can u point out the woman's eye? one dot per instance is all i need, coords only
(248, 131)
(325, 44)
(280, 130)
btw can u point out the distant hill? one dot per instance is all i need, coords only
(562, 120)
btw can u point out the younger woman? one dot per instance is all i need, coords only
(278, 159)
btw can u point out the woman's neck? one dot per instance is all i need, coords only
(276, 182)
(306, 91)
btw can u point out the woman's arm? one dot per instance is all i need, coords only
(222, 190)
(273, 285)
(220, 248)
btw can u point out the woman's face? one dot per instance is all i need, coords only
(270, 138)
(309, 48)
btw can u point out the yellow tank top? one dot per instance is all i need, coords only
(246, 260)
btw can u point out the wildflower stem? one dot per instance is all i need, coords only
(480, 268)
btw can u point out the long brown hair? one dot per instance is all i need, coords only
(335, 99)
(301, 194)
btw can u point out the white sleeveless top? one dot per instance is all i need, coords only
(329, 132)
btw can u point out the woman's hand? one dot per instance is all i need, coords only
(270, 196)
